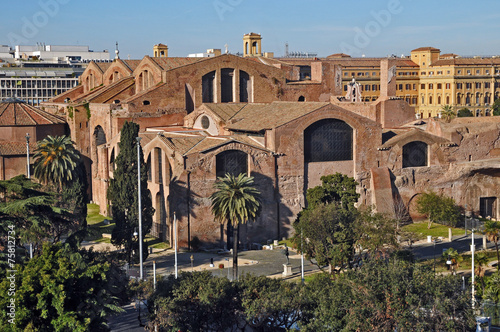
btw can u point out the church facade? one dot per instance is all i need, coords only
(202, 117)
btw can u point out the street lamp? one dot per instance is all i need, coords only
(28, 155)
(138, 139)
(472, 249)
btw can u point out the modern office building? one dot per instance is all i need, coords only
(38, 73)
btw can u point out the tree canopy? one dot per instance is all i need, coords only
(36, 214)
(336, 187)
(63, 290)
(438, 208)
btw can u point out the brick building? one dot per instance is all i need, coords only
(286, 122)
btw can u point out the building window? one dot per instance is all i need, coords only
(468, 86)
(302, 98)
(415, 154)
(439, 86)
(374, 87)
(459, 85)
(328, 140)
(439, 100)
(245, 87)
(207, 87)
(430, 100)
(448, 86)
(226, 82)
(232, 162)
(447, 100)
(205, 122)
(408, 86)
(422, 86)
(487, 85)
(148, 168)
(478, 85)
(431, 86)
(487, 207)
(159, 165)
(367, 87)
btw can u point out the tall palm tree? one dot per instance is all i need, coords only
(447, 113)
(55, 160)
(492, 231)
(236, 201)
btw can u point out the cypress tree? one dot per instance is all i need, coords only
(122, 194)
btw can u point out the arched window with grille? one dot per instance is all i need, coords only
(328, 140)
(233, 162)
(415, 154)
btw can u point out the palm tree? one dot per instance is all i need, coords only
(236, 200)
(492, 231)
(447, 113)
(55, 160)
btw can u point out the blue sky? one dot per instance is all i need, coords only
(369, 27)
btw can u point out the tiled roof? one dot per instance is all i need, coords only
(8, 148)
(257, 117)
(182, 144)
(225, 110)
(171, 63)
(103, 65)
(132, 64)
(420, 49)
(108, 92)
(14, 112)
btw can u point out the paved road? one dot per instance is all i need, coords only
(461, 243)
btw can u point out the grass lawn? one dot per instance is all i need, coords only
(436, 230)
(96, 226)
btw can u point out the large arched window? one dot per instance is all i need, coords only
(226, 82)
(415, 154)
(328, 140)
(207, 87)
(99, 136)
(245, 87)
(233, 162)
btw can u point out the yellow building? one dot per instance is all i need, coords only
(429, 80)
(448, 79)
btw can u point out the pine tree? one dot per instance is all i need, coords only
(122, 194)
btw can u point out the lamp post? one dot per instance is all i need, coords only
(138, 139)
(28, 175)
(472, 249)
(175, 244)
(28, 155)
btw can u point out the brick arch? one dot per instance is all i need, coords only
(149, 148)
(353, 120)
(116, 67)
(436, 154)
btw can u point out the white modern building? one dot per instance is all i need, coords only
(59, 53)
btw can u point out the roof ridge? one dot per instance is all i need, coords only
(201, 140)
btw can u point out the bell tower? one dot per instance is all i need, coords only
(160, 51)
(252, 44)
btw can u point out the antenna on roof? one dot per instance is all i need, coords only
(227, 50)
(286, 50)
